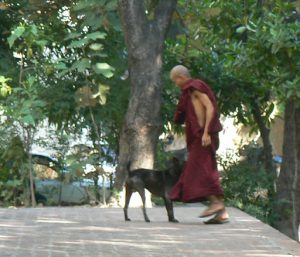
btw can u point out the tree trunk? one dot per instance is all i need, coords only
(296, 181)
(144, 39)
(28, 140)
(286, 204)
(265, 135)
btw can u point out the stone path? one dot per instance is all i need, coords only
(97, 232)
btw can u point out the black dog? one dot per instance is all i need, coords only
(157, 182)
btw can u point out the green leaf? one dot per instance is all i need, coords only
(31, 80)
(78, 44)
(241, 29)
(3, 80)
(34, 30)
(270, 110)
(289, 93)
(28, 119)
(60, 66)
(96, 35)
(81, 65)
(5, 90)
(41, 43)
(15, 34)
(105, 69)
(73, 35)
(96, 47)
(103, 91)
(111, 5)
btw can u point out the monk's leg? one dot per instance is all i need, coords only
(215, 205)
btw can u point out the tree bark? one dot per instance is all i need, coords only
(296, 181)
(286, 206)
(144, 39)
(265, 135)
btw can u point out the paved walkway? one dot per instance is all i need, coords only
(95, 232)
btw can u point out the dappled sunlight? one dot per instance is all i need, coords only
(266, 254)
(157, 228)
(96, 231)
(50, 220)
(94, 228)
(5, 238)
(247, 219)
(7, 225)
(114, 242)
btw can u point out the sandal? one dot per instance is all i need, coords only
(216, 220)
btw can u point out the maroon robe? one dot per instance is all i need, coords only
(200, 177)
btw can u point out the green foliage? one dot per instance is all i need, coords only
(25, 105)
(66, 46)
(5, 88)
(246, 184)
(248, 53)
(13, 180)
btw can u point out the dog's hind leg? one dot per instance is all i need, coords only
(170, 211)
(142, 194)
(128, 193)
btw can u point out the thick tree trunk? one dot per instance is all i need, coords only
(144, 40)
(296, 182)
(287, 196)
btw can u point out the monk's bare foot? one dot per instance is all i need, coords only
(213, 209)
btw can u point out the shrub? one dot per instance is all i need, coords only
(246, 184)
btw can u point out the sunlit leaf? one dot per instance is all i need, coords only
(96, 47)
(96, 35)
(105, 69)
(103, 91)
(241, 29)
(15, 34)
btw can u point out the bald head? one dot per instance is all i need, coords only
(180, 74)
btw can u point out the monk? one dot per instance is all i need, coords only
(197, 108)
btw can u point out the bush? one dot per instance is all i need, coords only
(246, 184)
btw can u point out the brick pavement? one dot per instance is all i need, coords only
(97, 232)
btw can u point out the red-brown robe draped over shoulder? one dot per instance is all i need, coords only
(200, 177)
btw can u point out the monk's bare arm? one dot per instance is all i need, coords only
(205, 102)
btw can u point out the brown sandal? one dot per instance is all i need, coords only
(216, 220)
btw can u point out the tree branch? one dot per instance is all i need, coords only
(163, 13)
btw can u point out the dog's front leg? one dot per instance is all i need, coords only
(170, 211)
